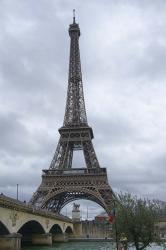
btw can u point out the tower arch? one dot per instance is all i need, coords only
(71, 194)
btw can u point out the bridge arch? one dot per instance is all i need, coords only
(29, 229)
(26, 221)
(57, 233)
(3, 229)
(56, 229)
(54, 202)
(69, 230)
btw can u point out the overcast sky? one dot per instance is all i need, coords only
(123, 54)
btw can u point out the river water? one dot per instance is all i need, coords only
(84, 246)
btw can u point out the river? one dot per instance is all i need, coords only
(84, 246)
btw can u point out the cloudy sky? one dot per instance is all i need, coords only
(123, 54)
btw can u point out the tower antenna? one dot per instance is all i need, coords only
(73, 15)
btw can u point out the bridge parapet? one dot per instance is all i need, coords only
(11, 203)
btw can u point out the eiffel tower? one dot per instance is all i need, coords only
(61, 183)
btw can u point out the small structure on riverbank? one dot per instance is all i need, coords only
(76, 212)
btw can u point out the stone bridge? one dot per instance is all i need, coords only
(21, 223)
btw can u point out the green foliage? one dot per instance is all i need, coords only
(135, 219)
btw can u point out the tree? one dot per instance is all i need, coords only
(135, 221)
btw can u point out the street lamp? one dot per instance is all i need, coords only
(17, 191)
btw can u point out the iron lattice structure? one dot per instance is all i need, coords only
(61, 183)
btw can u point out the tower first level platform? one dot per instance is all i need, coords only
(59, 187)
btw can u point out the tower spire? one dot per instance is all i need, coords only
(73, 15)
(75, 113)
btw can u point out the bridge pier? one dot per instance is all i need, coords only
(42, 239)
(59, 237)
(10, 242)
(77, 228)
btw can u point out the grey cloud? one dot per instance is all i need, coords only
(114, 128)
(13, 134)
(17, 140)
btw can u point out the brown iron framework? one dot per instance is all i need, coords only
(61, 183)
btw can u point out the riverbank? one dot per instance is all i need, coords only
(90, 240)
(85, 246)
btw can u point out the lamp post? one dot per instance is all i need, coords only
(87, 223)
(87, 213)
(17, 191)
